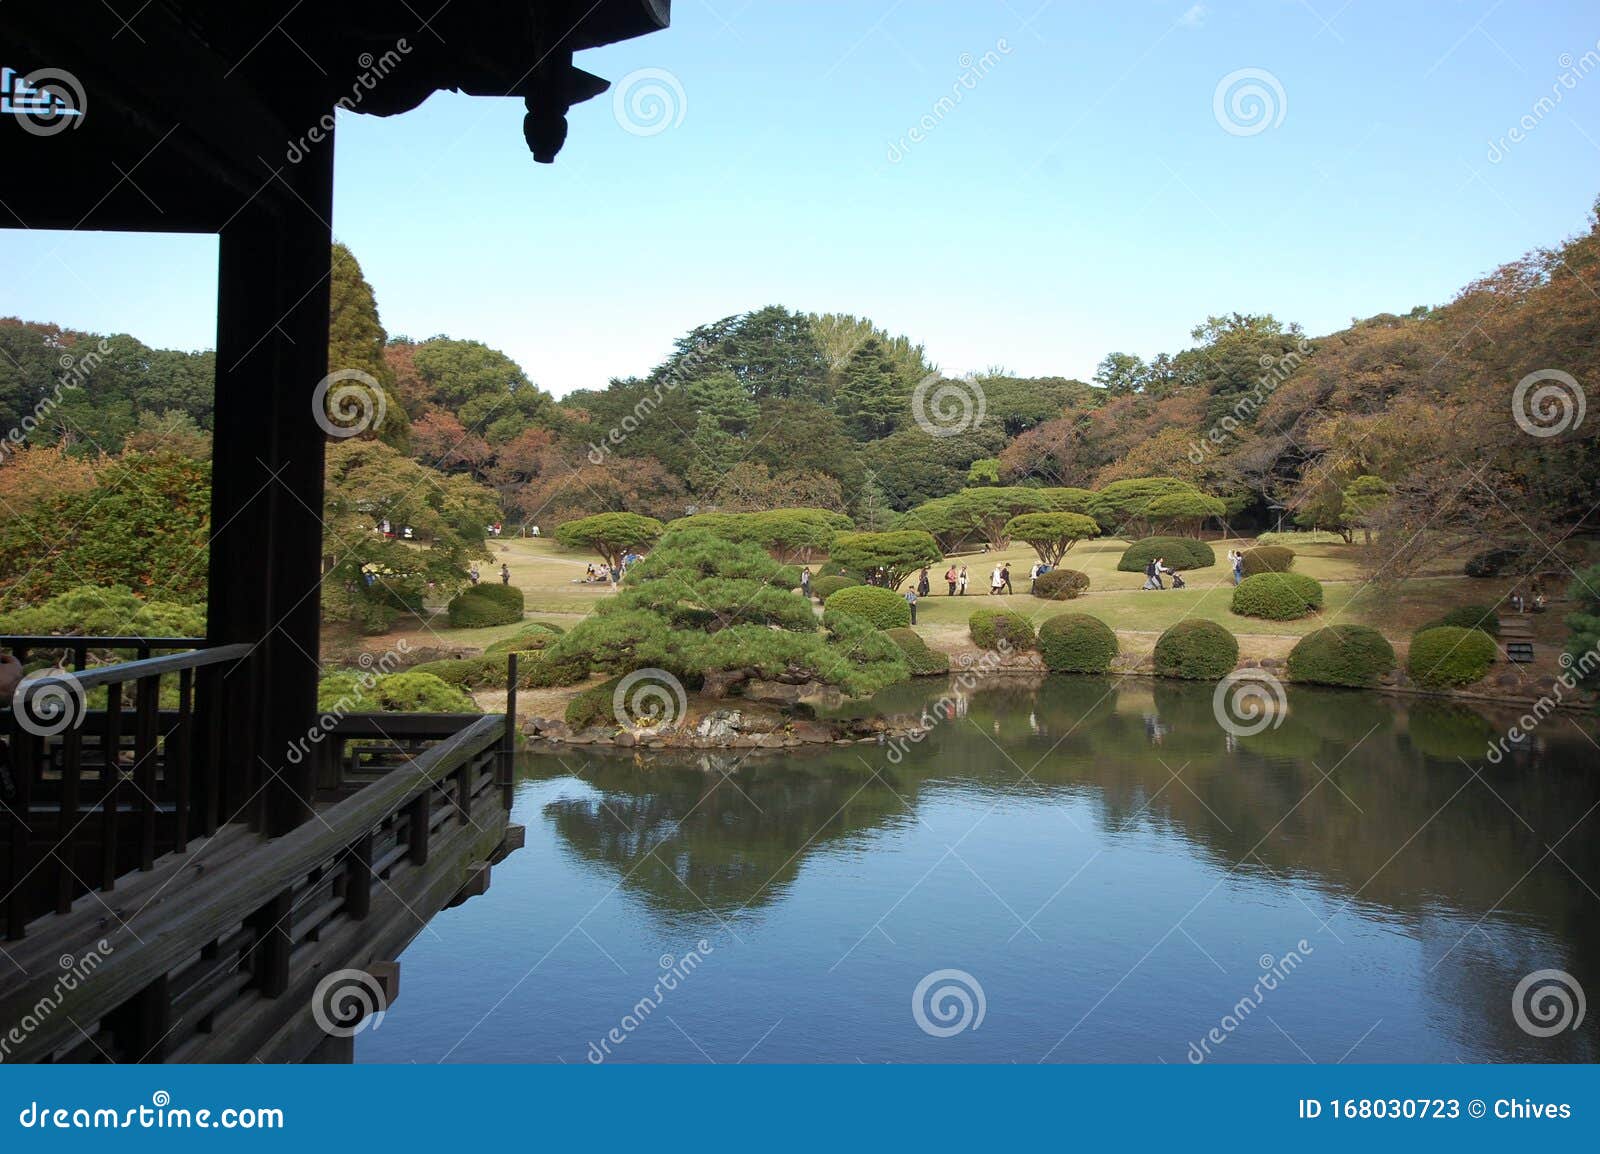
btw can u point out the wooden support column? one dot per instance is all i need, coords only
(266, 500)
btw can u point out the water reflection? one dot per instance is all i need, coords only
(1386, 808)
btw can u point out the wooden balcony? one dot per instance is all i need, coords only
(149, 918)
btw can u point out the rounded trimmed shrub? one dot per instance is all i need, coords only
(1060, 584)
(1180, 553)
(920, 659)
(1341, 655)
(824, 587)
(1077, 643)
(532, 637)
(1483, 617)
(880, 608)
(1448, 655)
(990, 627)
(1268, 559)
(479, 605)
(1196, 651)
(1277, 596)
(785, 577)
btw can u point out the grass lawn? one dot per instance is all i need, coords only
(550, 578)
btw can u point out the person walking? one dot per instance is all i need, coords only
(961, 582)
(950, 580)
(805, 580)
(995, 581)
(472, 574)
(505, 573)
(1005, 577)
(924, 585)
(911, 604)
(1238, 566)
(1152, 570)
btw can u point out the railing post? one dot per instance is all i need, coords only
(110, 782)
(269, 958)
(146, 702)
(507, 767)
(358, 879)
(66, 831)
(179, 758)
(418, 813)
(23, 767)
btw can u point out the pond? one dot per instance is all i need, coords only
(1066, 870)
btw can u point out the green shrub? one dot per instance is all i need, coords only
(1484, 617)
(991, 627)
(1341, 655)
(1277, 596)
(477, 606)
(1268, 559)
(409, 692)
(920, 659)
(1300, 537)
(1196, 650)
(542, 671)
(594, 706)
(1180, 552)
(824, 587)
(880, 608)
(1077, 643)
(1491, 562)
(461, 672)
(1060, 584)
(785, 577)
(1449, 655)
(533, 636)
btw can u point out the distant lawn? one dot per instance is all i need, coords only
(550, 578)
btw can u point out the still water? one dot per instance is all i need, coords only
(1114, 877)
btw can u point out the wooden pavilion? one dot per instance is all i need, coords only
(215, 880)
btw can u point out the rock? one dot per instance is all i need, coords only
(746, 741)
(544, 727)
(625, 739)
(724, 723)
(812, 732)
(1271, 663)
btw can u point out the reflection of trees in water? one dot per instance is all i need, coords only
(688, 839)
(1363, 797)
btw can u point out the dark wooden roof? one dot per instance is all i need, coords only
(190, 105)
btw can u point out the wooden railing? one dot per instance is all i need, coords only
(94, 793)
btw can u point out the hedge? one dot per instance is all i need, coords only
(1268, 559)
(1060, 584)
(1484, 617)
(880, 608)
(1077, 643)
(1197, 651)
(1449, 655)
(1180, 553)
(922, 661)
(824, 587)
(409, 692)
(479, 605)
(785, 577)
(1277, 596)
(1341, 655)
(533, 637)
(989, 627)
(595, 706)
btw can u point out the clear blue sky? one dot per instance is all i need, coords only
(1081, 198)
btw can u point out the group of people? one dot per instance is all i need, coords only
(505, 573)
(1156, 569)
(594, 574)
